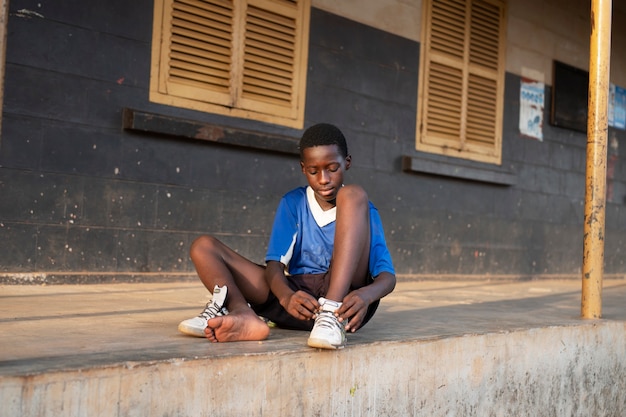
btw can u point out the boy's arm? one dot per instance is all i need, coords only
(299, 304)
(355, 304)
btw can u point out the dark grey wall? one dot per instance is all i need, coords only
(84, 199)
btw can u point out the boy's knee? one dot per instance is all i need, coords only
(354, 193)
(202, 245)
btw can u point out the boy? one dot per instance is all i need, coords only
(327, 264)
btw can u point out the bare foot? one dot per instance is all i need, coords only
(236, 326)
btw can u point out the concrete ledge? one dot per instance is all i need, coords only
(538, 372)
(471, 348)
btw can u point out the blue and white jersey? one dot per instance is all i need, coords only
(303, 236)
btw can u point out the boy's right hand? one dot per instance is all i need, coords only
(301, 305)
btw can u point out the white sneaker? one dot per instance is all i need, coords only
(214, 308)
(328, 332)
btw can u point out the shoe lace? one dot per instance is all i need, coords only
(326, 319)
(212, 310)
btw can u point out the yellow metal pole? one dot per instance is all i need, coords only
(597, 132)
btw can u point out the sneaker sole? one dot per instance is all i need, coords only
(323, 344)
(190, 331)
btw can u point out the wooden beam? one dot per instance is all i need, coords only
(141, 121)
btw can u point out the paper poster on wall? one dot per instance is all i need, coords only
(611, 115)
(531, 108)
(619, 108)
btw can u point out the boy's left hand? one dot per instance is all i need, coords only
(353, 310)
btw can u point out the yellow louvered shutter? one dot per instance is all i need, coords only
(235, 57)
(270, 55)
(462, 79)
(198, 56)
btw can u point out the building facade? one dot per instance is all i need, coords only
(103, 180)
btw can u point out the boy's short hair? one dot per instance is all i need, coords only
(323, 134)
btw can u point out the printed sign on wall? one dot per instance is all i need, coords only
(617, 107)
(531, 108)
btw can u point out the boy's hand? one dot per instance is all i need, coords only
(301, 305)
(353, 309)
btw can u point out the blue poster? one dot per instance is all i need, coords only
(619, 108)
(531, 108)
(611, 114)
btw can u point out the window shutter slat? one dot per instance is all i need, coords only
(201, 42)
(481, 110)
(448, 23)
(444, 102)
(269, 57)
(484, 45)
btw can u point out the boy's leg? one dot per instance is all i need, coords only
(349, 264)
(217, 264)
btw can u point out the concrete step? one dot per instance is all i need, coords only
(462, 348)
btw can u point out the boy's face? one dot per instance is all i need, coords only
(323, 167)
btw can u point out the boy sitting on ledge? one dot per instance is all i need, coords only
(327, 264)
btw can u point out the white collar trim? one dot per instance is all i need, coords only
(322, 218)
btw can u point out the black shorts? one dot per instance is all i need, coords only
(314, 284)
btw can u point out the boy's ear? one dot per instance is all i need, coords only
(348, 161)
(302, 166)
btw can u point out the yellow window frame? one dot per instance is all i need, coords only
(240, 58)
(461, 84)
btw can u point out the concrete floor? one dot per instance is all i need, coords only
(434, 348)
(65, 327)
